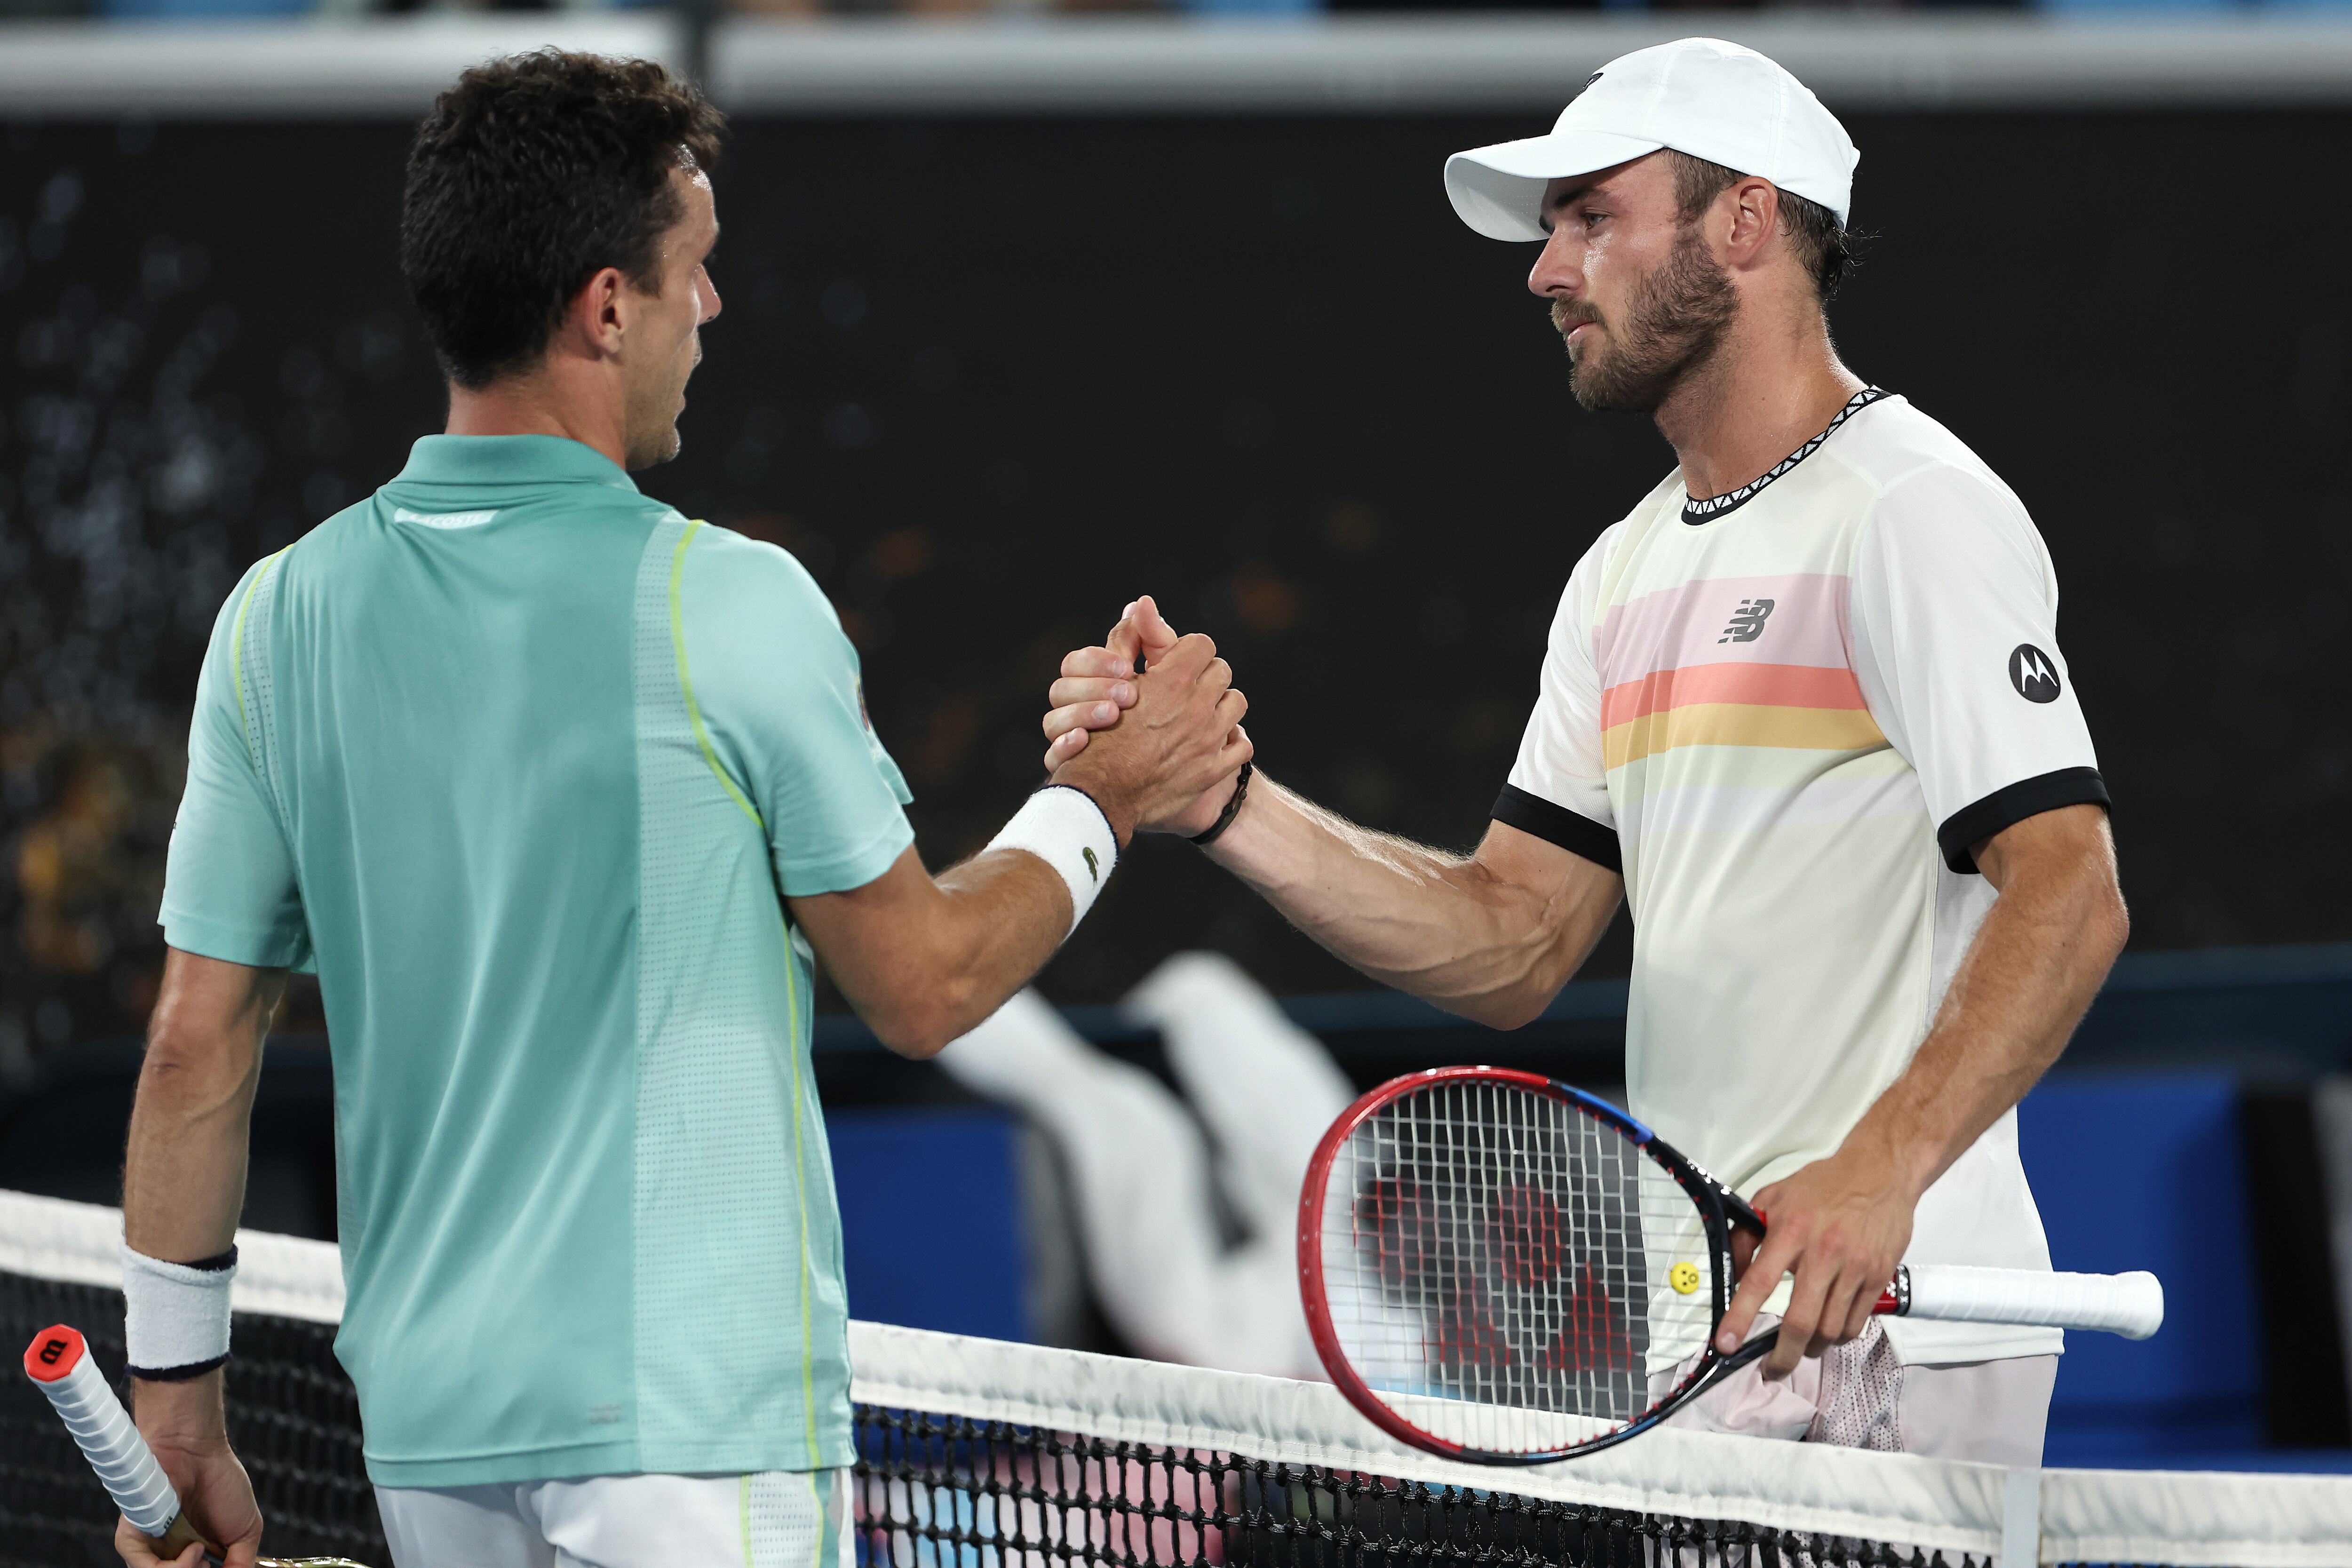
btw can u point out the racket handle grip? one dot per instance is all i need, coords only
(86, 1403)
(180, 1537)
(2131, 1304)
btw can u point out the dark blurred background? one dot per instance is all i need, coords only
(989, 378)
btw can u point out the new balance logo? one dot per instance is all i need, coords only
(1748, 621)
(2033, 673)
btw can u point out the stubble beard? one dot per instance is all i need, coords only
(1673, 325)
(654, 448)
(656, 440)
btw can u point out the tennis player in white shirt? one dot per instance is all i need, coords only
(1805, 707)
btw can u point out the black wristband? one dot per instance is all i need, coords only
(187, 1373)
(1232, 805)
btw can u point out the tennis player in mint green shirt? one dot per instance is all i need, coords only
(557, 791)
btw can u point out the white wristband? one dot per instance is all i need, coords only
(1064, 827)
(175, 1315)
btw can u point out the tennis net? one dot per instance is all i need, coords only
(979, 1454)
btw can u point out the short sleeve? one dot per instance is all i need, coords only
(779, 689)
(230, 891)
(1558, 787)
(1956, 648)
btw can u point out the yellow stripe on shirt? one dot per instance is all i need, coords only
(1739, 724)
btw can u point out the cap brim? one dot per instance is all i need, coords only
(1498, 190)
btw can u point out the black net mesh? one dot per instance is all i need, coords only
(932, 1491)
(291, 1414)
(936, 1491)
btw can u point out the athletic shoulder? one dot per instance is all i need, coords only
(1664, 501)
(1572, 621)
(743, 553)
(1596, 557)
(1941, 517)
(268, 578)
(755, 622)
(1894, 444)
(750, 576)
(1662, 505)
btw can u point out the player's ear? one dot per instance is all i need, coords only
(598, 318)
(1755, 213)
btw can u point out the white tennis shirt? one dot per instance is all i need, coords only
(1786, 714)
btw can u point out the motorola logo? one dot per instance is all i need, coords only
(2033, 673)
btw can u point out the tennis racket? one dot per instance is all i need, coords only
(59, 1361)
(1501, 1269)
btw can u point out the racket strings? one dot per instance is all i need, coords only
(1508, 1271)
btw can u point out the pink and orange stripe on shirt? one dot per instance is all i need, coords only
(1682, 684)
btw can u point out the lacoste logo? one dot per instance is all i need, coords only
(1094, 872)
(1748, 621)
(2033, 673)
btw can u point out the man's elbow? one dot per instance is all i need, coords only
(1505, 1010)
(184, 1065)
(169, 1053)
(916, 1039)
(1518, 996)
(2113, 918)
(2087, 914)
(2106, 921)
(921, 1026)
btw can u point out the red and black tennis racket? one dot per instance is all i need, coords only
(1501, 1269)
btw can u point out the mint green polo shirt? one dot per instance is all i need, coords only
(521, 761)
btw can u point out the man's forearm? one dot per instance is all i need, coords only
(1841, 1225)
(923, 959)
(184, 1170)
(1007, 914)
(1454, 930)
(2025, 983)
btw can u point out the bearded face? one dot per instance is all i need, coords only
(1673, 323)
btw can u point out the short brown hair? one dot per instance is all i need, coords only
(1823, 243)
(531, 176)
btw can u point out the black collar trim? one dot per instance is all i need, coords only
(1698, 511)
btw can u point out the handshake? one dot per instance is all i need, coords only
(1157, 752)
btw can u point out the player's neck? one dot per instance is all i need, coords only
(1771, 387)
(576, 401)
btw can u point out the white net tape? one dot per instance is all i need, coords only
(2204, 1519)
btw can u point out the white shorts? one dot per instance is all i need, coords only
(1857, 1395)
(777, 1519)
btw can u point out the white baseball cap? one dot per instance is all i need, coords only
(1713, 100)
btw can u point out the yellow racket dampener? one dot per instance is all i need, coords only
(1684, 1277)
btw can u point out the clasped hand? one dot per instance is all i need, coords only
(1178, 738)
(1098, 688)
